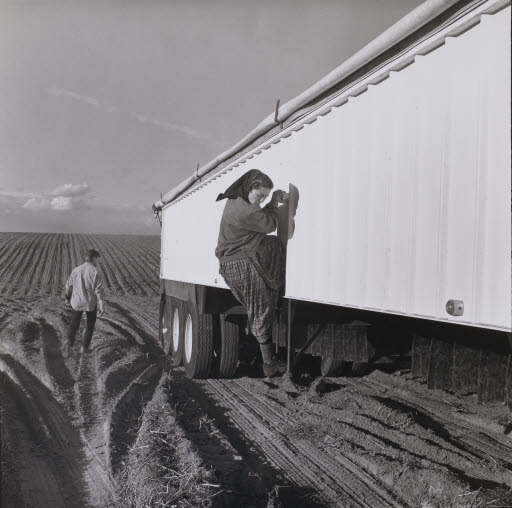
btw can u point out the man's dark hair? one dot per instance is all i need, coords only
(92, 254)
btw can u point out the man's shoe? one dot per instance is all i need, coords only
(274, 368)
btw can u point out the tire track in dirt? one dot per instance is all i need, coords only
(54, 361)
(37, 482)
(138, 317)
(242, 468)
(125, 418)
(341, 484)
(148, 350)
(120, 374)
(292, 457)
(148, 339)
(30, 338)
(50, 466)
(411, 445)
(477, 440)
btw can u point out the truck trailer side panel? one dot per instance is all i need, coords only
(404, 187)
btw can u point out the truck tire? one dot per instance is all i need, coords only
(332, 367)
(177, 332)
(227, 348)
(164, 322)
(197, 343)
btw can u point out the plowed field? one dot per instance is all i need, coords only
(120, 426)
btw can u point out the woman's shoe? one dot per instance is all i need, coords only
(274, 368)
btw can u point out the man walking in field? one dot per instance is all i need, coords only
(84, 292)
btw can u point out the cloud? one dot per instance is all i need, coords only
(63, 198)
(70, 190)
(91, 101)
(62, 203)
(110, 108)
(16, 194)
(58, 204)
(183, 129)
(37, 204)
(22, 210)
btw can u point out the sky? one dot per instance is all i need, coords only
(105, 104)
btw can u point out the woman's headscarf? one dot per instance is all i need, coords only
(241, 187)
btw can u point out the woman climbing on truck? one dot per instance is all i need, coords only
(252, 262)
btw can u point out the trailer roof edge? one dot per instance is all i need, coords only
(407, 25)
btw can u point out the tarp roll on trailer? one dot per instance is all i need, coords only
(416, 211)
(397, 32)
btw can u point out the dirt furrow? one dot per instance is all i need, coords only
(366, 435)
(122, 328)
(115, 259)
(235, 449)
(114, 285)
(124, 420)
(282, 416)
(31, 282)
(149, 258)
(146, 318)
(149, 339)
(55, 365)
(51, 465)
(111, 285)
(64, 260)
(131, 271)
(35, 258)
(6, 242)
(453, 428)
(347, 485)
(51, 271)
(14, 266)
(30, 338)
(120, 374)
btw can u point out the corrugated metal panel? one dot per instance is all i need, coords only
(404, 190)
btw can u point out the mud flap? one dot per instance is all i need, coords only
(348, 342)
(452, 366)
(420, 355)
(440, 365)
(465, 369)
(492, 376)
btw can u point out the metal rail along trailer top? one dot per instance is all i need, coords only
(398, 220)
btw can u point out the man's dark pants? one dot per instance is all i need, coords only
(76, 316)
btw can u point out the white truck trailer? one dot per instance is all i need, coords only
(399, 213)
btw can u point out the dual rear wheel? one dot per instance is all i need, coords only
(205, 344)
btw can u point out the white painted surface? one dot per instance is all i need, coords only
(404, 191)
